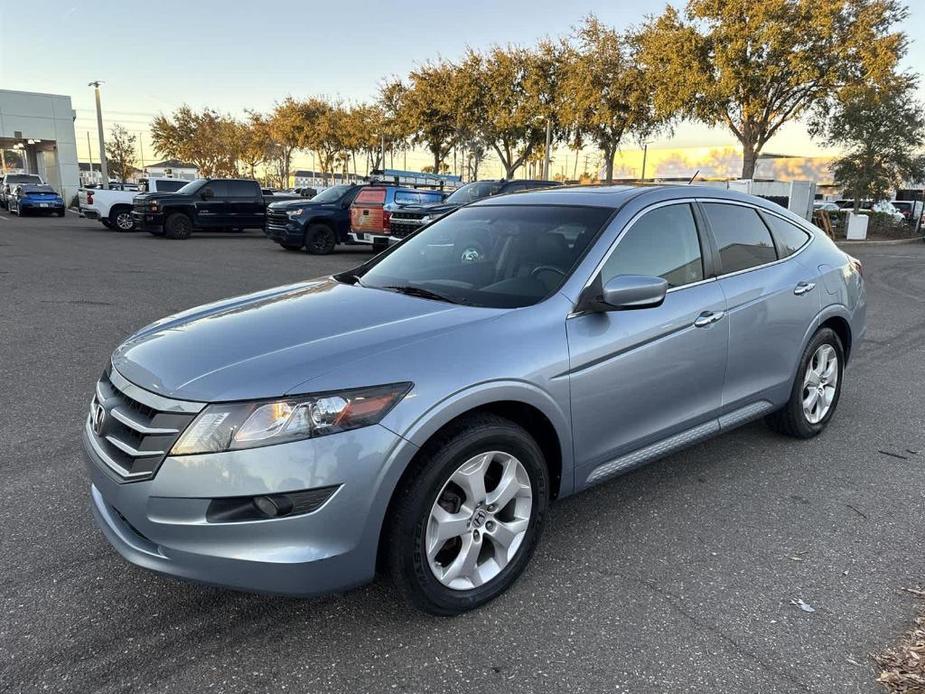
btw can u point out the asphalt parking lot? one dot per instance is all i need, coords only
(680, 576)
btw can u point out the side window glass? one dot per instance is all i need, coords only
(662, 243)
(743, 239)
(790, 238)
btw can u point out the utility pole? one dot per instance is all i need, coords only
(141, 148)
(548, 145)
(104, 168)
(382, 145)
(645, 151)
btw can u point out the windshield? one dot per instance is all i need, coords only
(332, 194)
(501, 256)
(22, 178)
(37, 189)
(193, 186)
(473, 191)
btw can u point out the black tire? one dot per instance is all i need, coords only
(291, 246)
(121, 219)
(790, 420)
(178, 226)
(410, 510)
(60, 213)
(106, 223)
(320, 239)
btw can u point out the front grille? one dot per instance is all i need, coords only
(132, 430)
(400, 228)
(277, 218)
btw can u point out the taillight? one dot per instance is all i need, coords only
(386, 219)
(89, 197)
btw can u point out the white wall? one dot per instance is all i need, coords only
(49, 118)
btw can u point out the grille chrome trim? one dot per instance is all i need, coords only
(153, 400)
(119, 415)
(131, 430)
(134, 452)
(109, 462)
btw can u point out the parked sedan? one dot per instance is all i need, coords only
(30, 199)
(421, 411)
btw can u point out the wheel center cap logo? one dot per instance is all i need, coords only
(479, 517)
(98, 418)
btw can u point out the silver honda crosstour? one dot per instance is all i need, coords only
(420, 412)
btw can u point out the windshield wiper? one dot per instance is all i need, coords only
(420, 292)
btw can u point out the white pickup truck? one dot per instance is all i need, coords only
(113, 208)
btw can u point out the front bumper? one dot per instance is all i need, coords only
(147, 220)
(161, 523)
(290, 233)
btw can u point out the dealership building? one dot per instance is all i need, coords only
(39, 128)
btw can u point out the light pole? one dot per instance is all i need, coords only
(104, 168)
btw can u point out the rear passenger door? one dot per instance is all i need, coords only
(246, 208)
(771, 300)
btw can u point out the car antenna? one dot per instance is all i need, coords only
(693, 177)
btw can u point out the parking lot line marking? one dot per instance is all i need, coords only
(5, 219)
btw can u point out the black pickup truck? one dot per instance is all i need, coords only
(206, 204)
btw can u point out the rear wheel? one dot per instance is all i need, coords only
(60, 213)
(468, 517)
(178, 226)
(320, 239)
(121, 219)
(816, 389)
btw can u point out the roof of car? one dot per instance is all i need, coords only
(616, 196)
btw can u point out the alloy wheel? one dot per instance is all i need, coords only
(479, 520)
(819, 383)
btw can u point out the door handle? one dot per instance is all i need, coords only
(803, 288)
(708, 318)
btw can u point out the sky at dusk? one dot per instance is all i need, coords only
(231, 56)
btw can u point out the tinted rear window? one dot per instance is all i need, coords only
(170, 186)
(242, 189)
(790, 238)
(371, 196)
(22, 178)
(743, 239)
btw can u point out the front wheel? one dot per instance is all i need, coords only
(178, 226)
(816, 389)
(320, 239)
(468, 517)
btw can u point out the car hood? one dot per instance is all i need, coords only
(147, 197)
(275, 342)
(299, 203)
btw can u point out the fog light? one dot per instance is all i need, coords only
(273, 506)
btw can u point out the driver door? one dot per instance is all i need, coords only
(639, 376)
(212, 210)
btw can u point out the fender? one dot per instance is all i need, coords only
(486, 393)
(830, 311)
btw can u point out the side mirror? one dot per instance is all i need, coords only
(625, 292)
(207, 194)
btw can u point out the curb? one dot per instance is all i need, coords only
(892, 242)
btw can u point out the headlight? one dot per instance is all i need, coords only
(152, 206)
(237, 425)
(295, 213)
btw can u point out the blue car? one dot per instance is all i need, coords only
(419, 413)
(35, 198)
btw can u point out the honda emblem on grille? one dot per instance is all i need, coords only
(98, 418)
